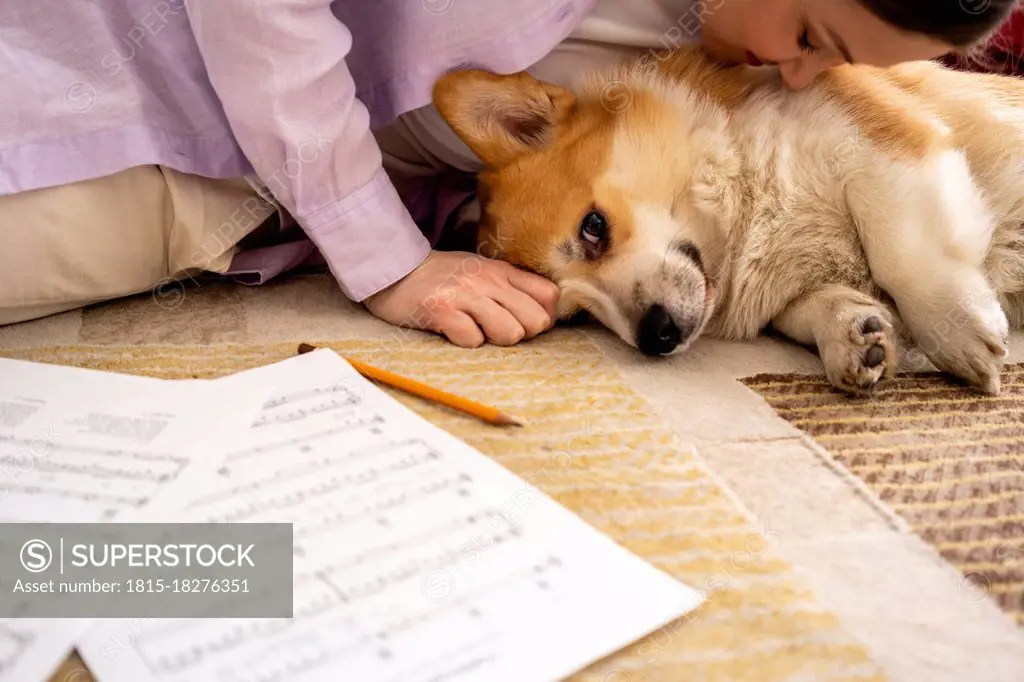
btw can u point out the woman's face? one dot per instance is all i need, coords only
(805, 37)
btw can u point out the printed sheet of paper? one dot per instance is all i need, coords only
(79, 445)
(417, 558)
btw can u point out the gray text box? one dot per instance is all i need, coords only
(150, 570)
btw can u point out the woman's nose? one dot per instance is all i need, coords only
(799, 73)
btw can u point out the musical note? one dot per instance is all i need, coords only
(338, 393)
(14, 413)
(405, 539)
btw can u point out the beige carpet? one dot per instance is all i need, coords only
(949, 461)
(843, 588)
(623, 473)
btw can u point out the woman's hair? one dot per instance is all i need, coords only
(961, 24)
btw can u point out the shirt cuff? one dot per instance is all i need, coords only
(368, 239)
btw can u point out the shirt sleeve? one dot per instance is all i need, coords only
(278, 67)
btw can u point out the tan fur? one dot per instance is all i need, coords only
(884, 113)
(728, 87)
(888, 198)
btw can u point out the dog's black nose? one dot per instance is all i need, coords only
(658, 333)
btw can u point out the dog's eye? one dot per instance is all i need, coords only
(594, 232)
(594, 227)
(690, 250)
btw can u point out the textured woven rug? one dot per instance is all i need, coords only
(948, 461)
(596, 447)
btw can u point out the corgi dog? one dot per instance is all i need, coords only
(670, 197)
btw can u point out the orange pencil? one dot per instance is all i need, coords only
(488, 414)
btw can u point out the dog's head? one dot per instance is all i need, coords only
(615, 191)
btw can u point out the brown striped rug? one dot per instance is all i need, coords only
(948, 461)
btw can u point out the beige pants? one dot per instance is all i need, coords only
(129, 233)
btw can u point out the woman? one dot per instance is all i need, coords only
(133, 132)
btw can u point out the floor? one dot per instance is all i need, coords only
(909, 608)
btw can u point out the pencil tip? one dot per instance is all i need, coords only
(306, 348)
(508, 420)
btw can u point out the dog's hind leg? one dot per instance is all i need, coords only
(926, 230)
(852, 332)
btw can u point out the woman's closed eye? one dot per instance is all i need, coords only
(804, 41)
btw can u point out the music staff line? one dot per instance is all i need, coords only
(320, 592)
(451, 654)
(468, 597)
(35, 490)
(54, 447)
(328, 655)
(327, 482)
(269, 418)
(308, 393)
(442, 530)
(298, 441)
(14, 414)
(237, 635)
(242, 635)
(409, 560)
(326, 523)
(343, 458)
(48, 465)
(350, 592)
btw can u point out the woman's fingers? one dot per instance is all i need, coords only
(540, 289)
(499, 325)
(459, 328)
(527, 311)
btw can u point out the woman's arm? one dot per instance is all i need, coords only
(278, 67)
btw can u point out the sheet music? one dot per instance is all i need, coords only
(416, 558)
(79, 445)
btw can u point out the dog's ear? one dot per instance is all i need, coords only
(500, 117)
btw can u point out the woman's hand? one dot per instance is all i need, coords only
(469, 299)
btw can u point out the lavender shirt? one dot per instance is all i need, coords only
(288, 89)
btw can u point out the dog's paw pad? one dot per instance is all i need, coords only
(871, 325)
(860, 350)
(874, 356)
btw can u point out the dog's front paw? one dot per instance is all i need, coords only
(859, 349)
(969, 342)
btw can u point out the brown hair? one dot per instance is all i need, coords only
(962, 24)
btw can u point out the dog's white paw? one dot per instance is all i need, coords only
(972, 348)
(859, 349)
(969, 341)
